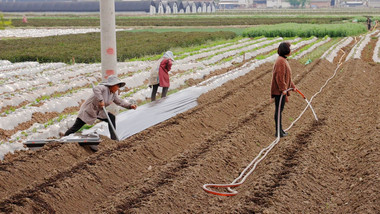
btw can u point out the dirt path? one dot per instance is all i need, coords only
(330, 166)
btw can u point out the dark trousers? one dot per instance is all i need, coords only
(277, 104)
(154, 92)
(79, 123)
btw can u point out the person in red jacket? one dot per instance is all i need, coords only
(281, 82)
(24, 19)
(163, 75)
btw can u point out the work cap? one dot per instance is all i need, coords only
(113, 80)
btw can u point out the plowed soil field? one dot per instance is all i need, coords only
(326, 166)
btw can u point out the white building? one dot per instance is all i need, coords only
(278, 4)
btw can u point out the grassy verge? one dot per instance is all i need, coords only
(306, 30)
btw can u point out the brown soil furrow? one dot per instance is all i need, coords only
(345, 52)
(27, 169)
(291, 159)
(334, 174)
(292, 156)
(368, 50)
(32, 192)
(163, 176)
(135, 199)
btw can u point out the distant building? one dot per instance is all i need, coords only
(320, 3)
(353, 3)
(259, 3)
(278, 4)
(184, 7)
(230, 4)
(152, 7)
(174, 7)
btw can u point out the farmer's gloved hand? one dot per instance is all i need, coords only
(133, 106)
(101, 104)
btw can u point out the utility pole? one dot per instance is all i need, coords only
(108, 38)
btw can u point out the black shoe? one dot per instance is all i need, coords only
(282, 134)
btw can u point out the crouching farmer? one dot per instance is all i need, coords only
(104, 94)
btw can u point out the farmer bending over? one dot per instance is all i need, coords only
(159, 75)
(92, 108)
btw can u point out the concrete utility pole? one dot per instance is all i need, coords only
(108, 38)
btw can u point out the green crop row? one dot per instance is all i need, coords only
(306, 47)
(85, 48)
(364, 19)
(306, 30)
(190, 51)
(318, 52)
(232, 49)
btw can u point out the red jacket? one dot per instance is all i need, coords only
(163, 74)
(282, 77)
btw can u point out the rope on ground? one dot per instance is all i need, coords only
(264, 152)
